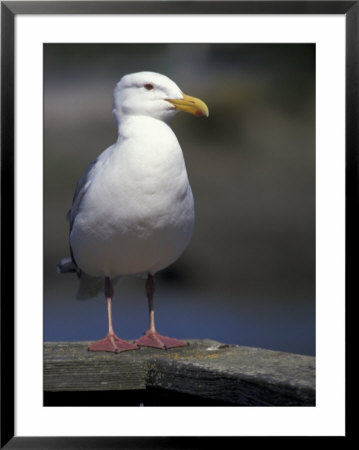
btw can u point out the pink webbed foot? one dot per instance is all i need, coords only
(112, 343)
(153, 339)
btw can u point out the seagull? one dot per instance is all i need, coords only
(133, 208)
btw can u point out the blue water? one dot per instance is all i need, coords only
(288, 327)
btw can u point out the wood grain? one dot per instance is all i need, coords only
(208, 369)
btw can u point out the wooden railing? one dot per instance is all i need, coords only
(204, 373)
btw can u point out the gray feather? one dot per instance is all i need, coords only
(88, 286)
(80, 192)
(66, 265)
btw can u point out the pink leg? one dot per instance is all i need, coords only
(111, 343)
(151, 337)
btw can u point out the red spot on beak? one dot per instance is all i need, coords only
(198, 113)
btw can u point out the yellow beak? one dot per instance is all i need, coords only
(191, 105)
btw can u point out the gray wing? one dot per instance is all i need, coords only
(80, 192)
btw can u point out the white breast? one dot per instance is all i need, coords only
(137, 215)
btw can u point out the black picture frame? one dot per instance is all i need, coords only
(9, 9)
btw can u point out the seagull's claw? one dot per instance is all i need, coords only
(153, 339)
(112, 343)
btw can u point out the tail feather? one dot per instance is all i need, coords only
(66, 265)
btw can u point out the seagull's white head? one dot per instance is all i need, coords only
(154, 95)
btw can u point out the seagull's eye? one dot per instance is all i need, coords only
(148, 86)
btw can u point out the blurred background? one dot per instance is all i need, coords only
(248, 275)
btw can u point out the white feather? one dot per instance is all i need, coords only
(136, 214)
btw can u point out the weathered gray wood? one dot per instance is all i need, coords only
(206, 368)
